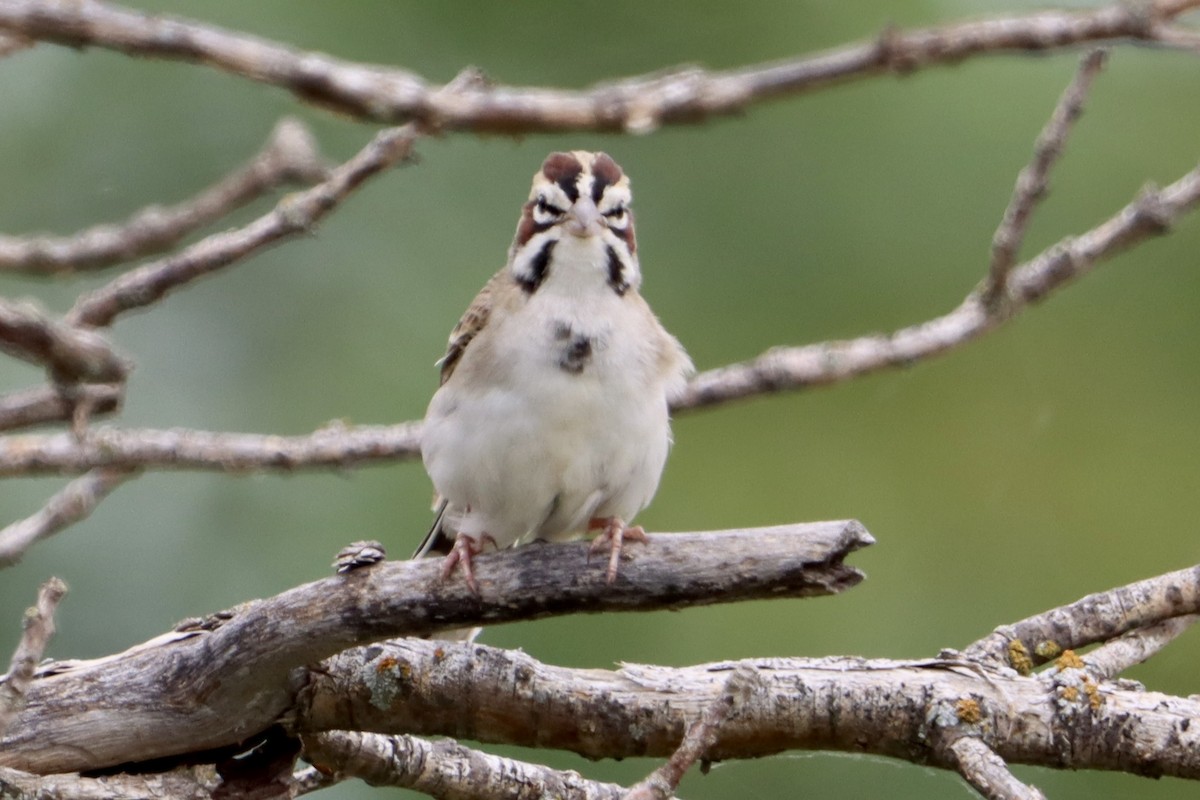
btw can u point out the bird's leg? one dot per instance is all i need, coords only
(464, 550)
(613, 534)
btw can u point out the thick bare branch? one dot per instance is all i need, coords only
(290, 156)
(213, 682)
(1095, 618)
(898, 709)
(37, 630)
(74, 503)
(333, 446)
(1033, 181)
(68, 353)
(44, 404)
(445, 769)
(635, 104)
(700, 737)
(983, 769)
(789, 368)
(295, 214)
(184, 783)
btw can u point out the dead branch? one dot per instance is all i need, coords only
(290, 156)
(444, 769)
(635, 104)
(213, 682)
(45, 404)
(788, 368)
(987, 773)
(779, 369)
(37, 630)
(184, 783)
(295, 214)
(908, 710)
(333, 446)
(700, 737)
(1033, 180)
(1114, 657)
(1096, 618)
(73, 503)
(68, 353)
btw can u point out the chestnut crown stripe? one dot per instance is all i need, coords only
(562, 181)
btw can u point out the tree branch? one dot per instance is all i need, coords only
(700, 737)
(1033, 181)
(779, 369)
(1095, 618)
(445, 769)
(789, 368)
(75, 502)
(634, 104)
(290, 156)
(37, 630)
(987, 773)
(908, 710)
(1112, 658)
(43, 404)
(213, 682)
(295, 214)
(184, 783)
(335, 446)
(68, 353)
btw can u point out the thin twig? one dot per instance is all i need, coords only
(779, 369)
(44, 404)
(1033, 180)
(700, 737)
(443, 769)
(1095, 618)
(37, 630)
(335, 445)
(295, 214)
(68, 353)
(987, 773)
(790, 368)
(1112, 658)
(290, 156)
(72, 504)
(635, 104)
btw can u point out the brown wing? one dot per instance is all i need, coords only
(472, 322)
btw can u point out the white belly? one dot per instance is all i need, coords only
(538, 441)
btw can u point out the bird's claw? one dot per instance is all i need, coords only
(462, 554)
(613, 534)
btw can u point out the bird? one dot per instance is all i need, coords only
(551, 419)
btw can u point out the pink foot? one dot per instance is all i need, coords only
(613, 534)
(461, 554)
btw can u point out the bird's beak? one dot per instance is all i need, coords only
(584, 219)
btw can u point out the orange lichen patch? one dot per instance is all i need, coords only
(1069, 660)
(1048, 649)
(1019, 658)
(1095, 698)
(969, 711)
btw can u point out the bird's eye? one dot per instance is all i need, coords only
(617, 215)
(546, 207)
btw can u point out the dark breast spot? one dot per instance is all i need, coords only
(576, 351)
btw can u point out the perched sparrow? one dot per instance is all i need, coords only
(551, 420)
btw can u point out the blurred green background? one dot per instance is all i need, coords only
(1054, 458)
